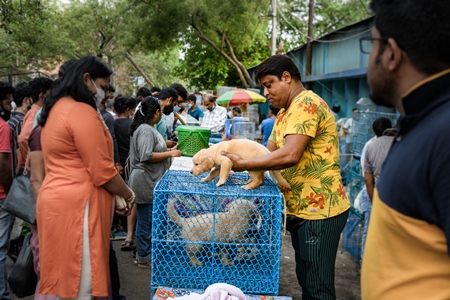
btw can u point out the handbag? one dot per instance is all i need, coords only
(20, 200)
(22, 279)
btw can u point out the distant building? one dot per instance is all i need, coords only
(338, 66)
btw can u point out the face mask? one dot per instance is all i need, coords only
(99, 95)
(189, 105)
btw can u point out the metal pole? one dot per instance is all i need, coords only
(308, 63)
(274, 27)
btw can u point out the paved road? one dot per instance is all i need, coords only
(135, 282)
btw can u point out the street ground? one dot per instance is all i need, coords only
(135, 282)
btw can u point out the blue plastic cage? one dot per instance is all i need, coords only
(193, 255)
(352, 234)
(362, 128)
(355, 181)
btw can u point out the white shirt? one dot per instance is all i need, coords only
(169, 120)
(348, 125)
(215, 119)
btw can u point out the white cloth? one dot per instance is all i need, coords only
(215, 120)
(170, 119)
(217, 291)
(85, 289)
(348, 126)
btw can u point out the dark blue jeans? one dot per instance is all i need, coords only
(114, 273)
(144, 233)
(366, 207)
(6, 223)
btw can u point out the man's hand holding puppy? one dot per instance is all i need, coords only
(238, 162)
(219, 159)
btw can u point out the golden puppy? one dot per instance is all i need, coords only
(210, 159)
(226, 227)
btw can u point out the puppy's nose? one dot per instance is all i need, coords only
(191, 172)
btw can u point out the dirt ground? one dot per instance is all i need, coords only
(135, 282)
(346, 279)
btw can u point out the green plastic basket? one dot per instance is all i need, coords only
(192, 139)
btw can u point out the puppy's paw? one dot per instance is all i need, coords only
(249, 186)
(220, 183)
(206, 179)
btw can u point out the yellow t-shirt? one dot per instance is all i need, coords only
(317, 190)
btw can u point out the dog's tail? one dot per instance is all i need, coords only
(276, 175)
(172, 212)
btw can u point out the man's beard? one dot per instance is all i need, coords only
(382, 87)
(381, 100)
(168, 110)
(5, 114)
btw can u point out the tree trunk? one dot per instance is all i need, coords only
(221, 52)
(233, 56)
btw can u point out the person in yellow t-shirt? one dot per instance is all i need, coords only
(304, 145)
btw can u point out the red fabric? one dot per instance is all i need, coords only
(5, 146)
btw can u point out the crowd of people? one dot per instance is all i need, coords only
(85, 145)
(85, 156)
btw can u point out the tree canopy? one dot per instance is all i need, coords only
(29, 34)
(203, 42)
(229, 28)
(329, 15)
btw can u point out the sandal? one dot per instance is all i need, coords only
(127, 245)
(145, 266)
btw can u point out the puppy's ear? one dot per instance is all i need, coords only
(209, 162)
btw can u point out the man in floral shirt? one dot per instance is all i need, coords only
(304, 145)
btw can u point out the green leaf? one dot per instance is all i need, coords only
(327, 182)
(317, 190)
(315, 169)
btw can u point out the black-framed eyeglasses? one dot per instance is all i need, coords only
(365, 43)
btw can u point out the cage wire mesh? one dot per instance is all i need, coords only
(362, 128)
(203, 234)
(352, 235)
(361, 134)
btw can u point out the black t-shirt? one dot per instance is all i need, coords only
(122, 131)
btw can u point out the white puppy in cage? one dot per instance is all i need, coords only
(230, 226)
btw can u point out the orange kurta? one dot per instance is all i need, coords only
(77, 151)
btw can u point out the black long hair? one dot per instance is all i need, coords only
(72, 84)
(121, 104)
(145, 111)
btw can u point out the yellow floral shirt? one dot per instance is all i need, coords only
(317, 190)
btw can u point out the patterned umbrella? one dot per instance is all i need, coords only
(240, 96)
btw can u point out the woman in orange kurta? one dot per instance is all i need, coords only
(75, 200)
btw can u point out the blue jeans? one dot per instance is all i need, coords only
(6, 223)
(366, 207)
(144, 233)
